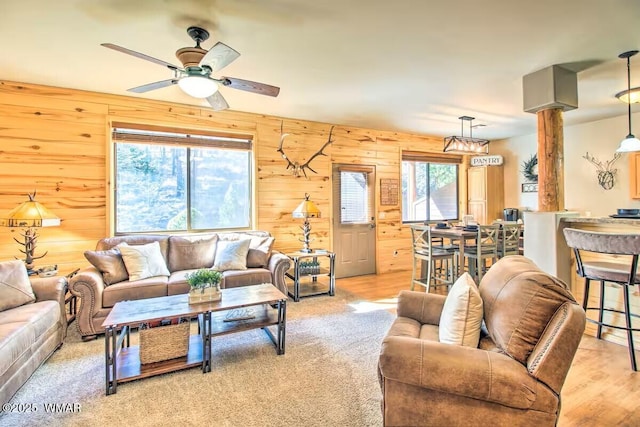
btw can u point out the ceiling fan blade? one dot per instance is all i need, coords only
(217, 101)
(153, 86)
(249, 86)
(219, 56)
(140, 55)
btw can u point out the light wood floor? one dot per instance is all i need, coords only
(600, 390)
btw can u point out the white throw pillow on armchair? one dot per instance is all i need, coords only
(462, 314)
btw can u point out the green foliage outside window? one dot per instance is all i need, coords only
(429, 191)
(152, 191)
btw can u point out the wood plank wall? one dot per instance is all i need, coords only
(56, 140)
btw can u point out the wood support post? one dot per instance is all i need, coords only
(550, 160)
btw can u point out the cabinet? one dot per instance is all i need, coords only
(485, 192)
(313, 272)
(634, 175)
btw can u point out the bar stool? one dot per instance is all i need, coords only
(426, 255)
(485, 247)
(623, 274)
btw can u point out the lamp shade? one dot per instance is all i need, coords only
(30, 214)
(306, 209)
(631, 96)
(198, 86)
(630, 143)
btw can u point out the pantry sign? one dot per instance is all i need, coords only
(495, 160)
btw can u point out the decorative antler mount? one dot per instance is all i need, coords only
(298, 169)
(606, 175)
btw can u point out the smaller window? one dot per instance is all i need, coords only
(353, 197)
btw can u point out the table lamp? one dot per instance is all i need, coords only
(307, 209)
(30, 215)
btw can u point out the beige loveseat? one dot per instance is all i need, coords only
(513, 377)
(107, 282)
(32, 324)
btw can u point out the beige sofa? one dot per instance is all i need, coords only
(102, 285)
(532, 328)
(31, 331)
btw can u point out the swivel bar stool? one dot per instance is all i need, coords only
(623, 274)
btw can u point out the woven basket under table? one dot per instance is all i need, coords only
(164, 343)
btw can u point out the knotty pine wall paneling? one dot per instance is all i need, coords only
(56, 140)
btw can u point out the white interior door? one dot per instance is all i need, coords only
(354, 237)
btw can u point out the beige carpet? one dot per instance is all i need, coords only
(326, 378)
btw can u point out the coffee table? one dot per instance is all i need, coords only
(122, 361)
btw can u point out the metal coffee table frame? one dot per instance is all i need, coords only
(122, 361)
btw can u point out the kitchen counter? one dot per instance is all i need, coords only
(601, 220)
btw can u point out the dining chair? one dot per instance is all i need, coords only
(485, 247)
(509, 240)
(425, 256)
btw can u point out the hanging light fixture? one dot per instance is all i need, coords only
(630, 143)
(632, 94)
(466, 144)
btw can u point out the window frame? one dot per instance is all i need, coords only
(434, 158)
(367, 172)
(133, 133)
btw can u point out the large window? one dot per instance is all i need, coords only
(429, 187)
(167, 181)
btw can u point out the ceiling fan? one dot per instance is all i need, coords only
(196, 78)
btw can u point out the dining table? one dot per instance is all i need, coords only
(458, 233)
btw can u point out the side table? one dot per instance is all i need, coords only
(70, 300)
(310, 271)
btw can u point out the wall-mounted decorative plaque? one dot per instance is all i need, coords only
(389, 192)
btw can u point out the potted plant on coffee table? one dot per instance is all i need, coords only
(205, 285)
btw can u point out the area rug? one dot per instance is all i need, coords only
(327, 377)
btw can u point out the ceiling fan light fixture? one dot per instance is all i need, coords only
(198, 86)
(630, 143)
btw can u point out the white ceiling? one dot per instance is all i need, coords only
(405, 65)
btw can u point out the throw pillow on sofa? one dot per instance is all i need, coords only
(15, 287)
(461, 316)
(259, 252)
(231, 255)
(188, 254)
(143, 261)
(109, 263)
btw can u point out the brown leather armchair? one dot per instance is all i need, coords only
(531, 331)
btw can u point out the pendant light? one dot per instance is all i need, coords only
(466, 144)
(630, 143)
